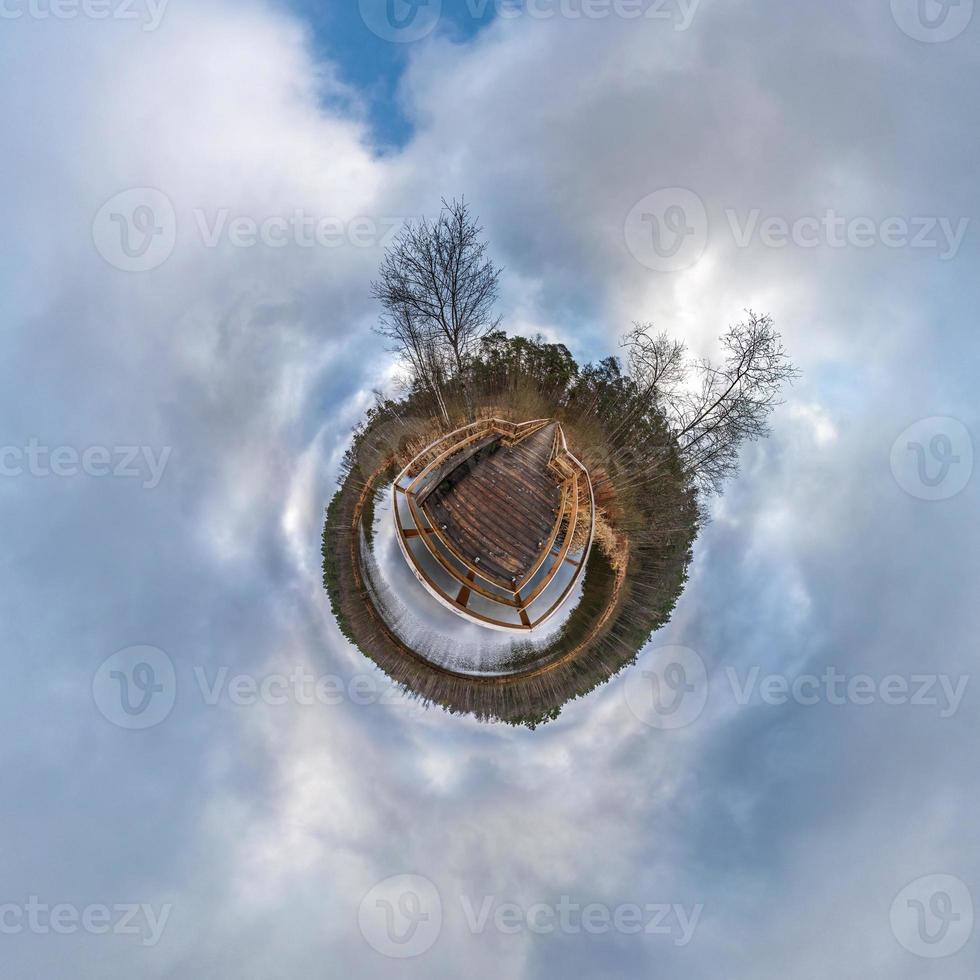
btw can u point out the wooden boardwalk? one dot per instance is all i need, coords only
(499, 511)
(486, 516)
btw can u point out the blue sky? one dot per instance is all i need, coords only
(195, 203)
(373, 64)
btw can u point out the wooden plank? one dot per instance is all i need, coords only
(437, 535)
(464, 593)
(501, 509)
(452, 464)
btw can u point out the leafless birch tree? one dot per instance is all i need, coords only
(712, 408)
(437, 287)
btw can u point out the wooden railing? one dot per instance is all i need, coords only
(573, 509)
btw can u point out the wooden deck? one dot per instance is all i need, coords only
(486, 515)
(498, 511)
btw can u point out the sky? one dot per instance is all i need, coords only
(201, 777)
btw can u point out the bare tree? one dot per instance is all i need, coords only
(711, 409)
(417, 343)
(437, 288)
(656, 363)
(658, 367)
(732, 401)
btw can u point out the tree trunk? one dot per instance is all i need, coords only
(464, 385)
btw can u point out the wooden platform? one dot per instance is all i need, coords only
(498, 510)
(486, 516)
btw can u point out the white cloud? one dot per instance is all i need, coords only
(265, 824)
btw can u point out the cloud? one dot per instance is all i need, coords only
(795, 826)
